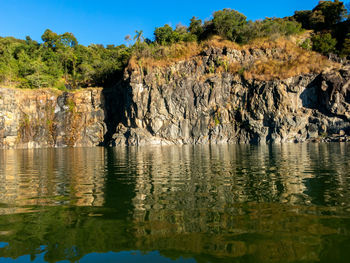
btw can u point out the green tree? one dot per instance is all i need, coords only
(303, 17)
(50, 38)
(228, 23)
(325, 15)
(333, 12)
(68, 40)
(165, 35)
(196, 27)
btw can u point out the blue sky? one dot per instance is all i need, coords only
(108, 21)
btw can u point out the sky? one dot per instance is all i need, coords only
(108, 22)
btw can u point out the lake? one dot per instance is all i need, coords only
(227, 203)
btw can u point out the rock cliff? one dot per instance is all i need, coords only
(208, 98)
(49, 118)
(193, 102)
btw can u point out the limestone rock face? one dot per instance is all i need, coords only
(47, 118)
(185, 103)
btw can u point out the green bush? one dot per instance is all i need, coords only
(166, 35)
(346, 48)
(323, 43)
(307, 44)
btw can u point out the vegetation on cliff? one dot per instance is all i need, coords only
(61, 62)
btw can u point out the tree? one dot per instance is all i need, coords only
(333, 12)
(303, 17)
(68, 40)
(165, 35)
(196, 27)
(324, 16)
(228, 23)
(139, 36)
(50, 38)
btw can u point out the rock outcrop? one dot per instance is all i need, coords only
(50, 118)
(190, 102)
(200, 100)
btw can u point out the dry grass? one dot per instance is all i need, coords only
(168, 55)
(282, 58)
(290, 61)
(165, 56)
(219, 42)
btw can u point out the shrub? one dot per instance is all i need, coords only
(346, 48)
(323, 43)
(307, 44)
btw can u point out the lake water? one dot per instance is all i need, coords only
(279, 203)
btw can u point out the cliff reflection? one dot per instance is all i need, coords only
(51, 177)
(227, 201)
(212, 203)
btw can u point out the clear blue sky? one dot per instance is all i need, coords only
(109, 21)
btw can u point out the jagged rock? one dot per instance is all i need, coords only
(186, 104)
(183, 103)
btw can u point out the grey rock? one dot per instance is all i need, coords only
(192, 105)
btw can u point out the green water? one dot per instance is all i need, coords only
(281, 203)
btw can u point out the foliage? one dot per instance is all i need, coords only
(196, 27)
(307, 44)
(59, 61)
(328, 17)
(166, 35)
(323, 43)
(268, 28)
(346, 47)
(228, 23)
(332, 12)
(325, 15)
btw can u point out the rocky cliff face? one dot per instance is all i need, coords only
(47, 118)
(194, 101)
(190, 102)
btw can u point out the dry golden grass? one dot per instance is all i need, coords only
(291, 61)
(32, 91)
(282, 58)
(234, 67)
(166, 56)
(219, 42)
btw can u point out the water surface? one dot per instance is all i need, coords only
(280, 203)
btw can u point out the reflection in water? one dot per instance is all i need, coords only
(280, 203)
(51, 176)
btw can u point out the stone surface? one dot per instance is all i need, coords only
(48, 118)
(186, 104)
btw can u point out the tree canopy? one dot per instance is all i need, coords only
(60, 61)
